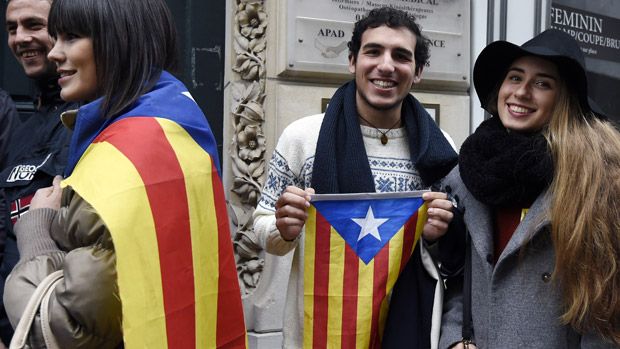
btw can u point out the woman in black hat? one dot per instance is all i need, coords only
(539, 183)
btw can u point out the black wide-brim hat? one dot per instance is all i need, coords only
(554, 45)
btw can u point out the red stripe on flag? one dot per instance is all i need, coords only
(381, 271)
(349, 299)
(321, 281)
(144, 134)
(230, 329)
(408, 239)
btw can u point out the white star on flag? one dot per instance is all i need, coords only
(369, 225)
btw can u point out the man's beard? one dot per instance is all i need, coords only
(392, 106)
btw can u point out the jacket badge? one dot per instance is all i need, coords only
(25, 172)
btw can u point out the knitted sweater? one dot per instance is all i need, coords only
(292, 164)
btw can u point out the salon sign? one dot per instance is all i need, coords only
(598, 35)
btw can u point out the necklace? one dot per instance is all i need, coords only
(384, 137)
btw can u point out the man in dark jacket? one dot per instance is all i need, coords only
(38, 148)
(8, 121)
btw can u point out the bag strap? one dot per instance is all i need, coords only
(467, 330)
(48, 336)
(41, 294)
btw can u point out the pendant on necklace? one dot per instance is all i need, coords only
(384, 139)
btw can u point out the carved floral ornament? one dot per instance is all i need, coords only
(252, 20)
(247, 149)
(249, 40)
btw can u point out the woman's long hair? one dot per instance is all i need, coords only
(585, 216)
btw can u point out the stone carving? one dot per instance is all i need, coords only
(247, 150)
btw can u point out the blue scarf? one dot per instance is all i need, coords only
(341, 163)
(168, 99)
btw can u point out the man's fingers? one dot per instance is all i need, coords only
(292, 200)
(434, 229)
(293, 196)
(290, 222)
(440, 203)
(432, 195)
(295, 191)
(289, 228)
(437, 224)
(291, 211)
(440, 214)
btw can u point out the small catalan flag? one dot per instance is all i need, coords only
(356, 245)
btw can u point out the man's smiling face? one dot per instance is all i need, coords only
(26, 24)
(385, 69)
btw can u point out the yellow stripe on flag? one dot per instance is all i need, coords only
(422, 217)
(336, 286)
(137, 258)
(310, 249)
(364, 303)
(396, 248)
(196, 166)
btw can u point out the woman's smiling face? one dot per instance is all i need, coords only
(528, 93)
(75, 61)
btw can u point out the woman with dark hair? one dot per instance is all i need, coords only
(139, 228)
(539, 184)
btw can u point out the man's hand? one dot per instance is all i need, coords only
(48, 197)
(291, 211)
(439, 215)
(460, 345)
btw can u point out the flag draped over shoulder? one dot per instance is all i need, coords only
(155, 184)
(355, 247)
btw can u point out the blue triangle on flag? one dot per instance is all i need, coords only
(368, 224)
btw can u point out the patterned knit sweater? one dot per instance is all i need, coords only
(292, 164)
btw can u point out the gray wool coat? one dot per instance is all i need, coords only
(515, 304)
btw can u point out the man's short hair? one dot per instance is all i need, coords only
(50, 1)
(392, 18)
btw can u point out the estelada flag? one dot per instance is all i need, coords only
(356, 245)
(152, 178)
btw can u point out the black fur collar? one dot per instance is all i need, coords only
(505, 169)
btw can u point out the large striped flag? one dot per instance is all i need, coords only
(356, 245)
(157, 188)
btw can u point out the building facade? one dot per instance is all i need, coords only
(254, 66)
(284, 60)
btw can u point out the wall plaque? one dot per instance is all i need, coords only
(318, 32)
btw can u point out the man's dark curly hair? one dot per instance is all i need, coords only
(392, 18)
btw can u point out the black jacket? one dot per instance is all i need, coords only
(37, 151)
(9, 120)
(411, 310)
